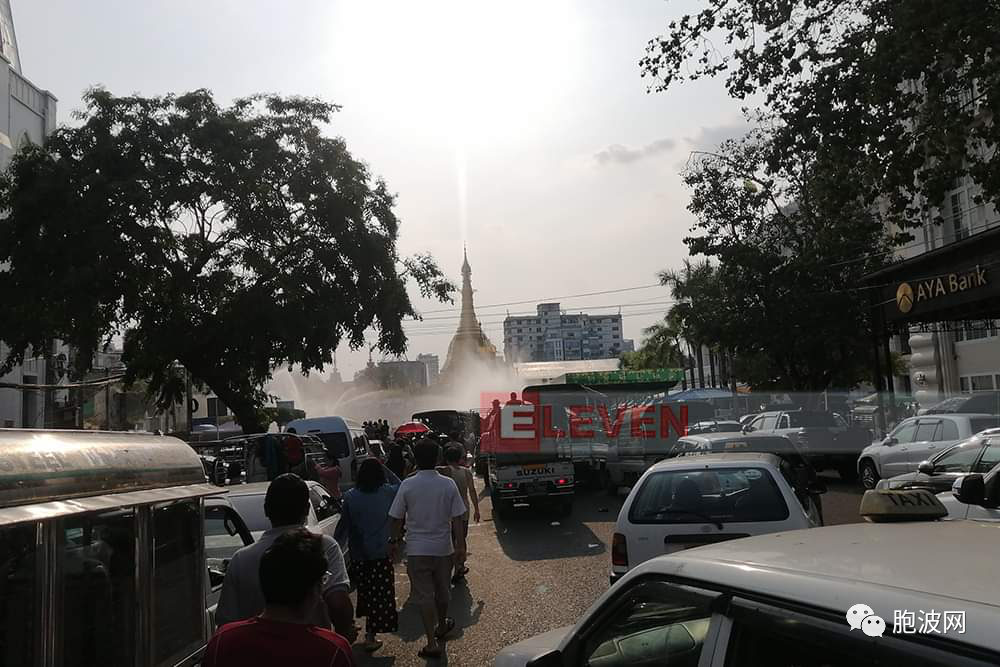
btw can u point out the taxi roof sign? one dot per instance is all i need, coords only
(672, 375)
(884, 505)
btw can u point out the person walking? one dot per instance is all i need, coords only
(433, 510)
(286, 505)
(292, 572)
(455, 469)
(364, 523)
(399, 458)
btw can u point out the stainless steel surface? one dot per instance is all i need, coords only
(37, 466)
(109, 501)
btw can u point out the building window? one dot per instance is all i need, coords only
(969, 384)
(975, 330)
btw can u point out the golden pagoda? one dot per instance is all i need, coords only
(469, 346)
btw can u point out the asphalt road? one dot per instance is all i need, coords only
(533, 573)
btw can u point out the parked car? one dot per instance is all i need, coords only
(917, 439)
(824, 437)
(324, 510)
(981, 402)
(975, 497)
(714, 426)
(782, 599)
(686, 502)
(225, 534)
(980, 453)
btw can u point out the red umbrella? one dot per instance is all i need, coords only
(411, 428)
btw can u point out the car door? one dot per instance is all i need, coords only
(895, 451)
(225, 534)
(647, 623)
(924, 446)
(326, 510)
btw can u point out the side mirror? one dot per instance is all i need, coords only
(747, 429)
(926, 467)
(230, 527)
(551, 658)
(215, 577)
(970, 489)
(889, 441)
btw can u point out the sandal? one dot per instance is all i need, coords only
(449, 625)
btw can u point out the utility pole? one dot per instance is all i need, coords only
(107, 400)
(188, 398)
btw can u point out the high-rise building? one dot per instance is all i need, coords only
(27, 115)
(469, 346)
(430, 361)
(552, 335)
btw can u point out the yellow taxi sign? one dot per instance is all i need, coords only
(881, 505)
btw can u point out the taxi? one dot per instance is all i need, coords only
(872, 593)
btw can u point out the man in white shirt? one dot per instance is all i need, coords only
(286, 504)
(435, 537)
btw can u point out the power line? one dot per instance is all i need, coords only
(529, 313)
(551, 298)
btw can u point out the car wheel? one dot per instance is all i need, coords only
(869, 476)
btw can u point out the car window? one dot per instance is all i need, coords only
(991, 456)
(959, 458)
(336, 442)
(978, 424)
(322, 502)
(360, 445)
(651, 624)
(251, 509)
(19, 589)
(947, 430)
(222, 537)
(767, 423)
(812, 419)
(905, 432)
(734, 494)
(765, 635)
(925, 431)
(178, 566)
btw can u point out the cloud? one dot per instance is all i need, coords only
(709, 138)
(616, 153)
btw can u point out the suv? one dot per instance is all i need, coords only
(824, 437)
(915, 440)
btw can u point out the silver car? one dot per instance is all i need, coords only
(915, 440)
(324, 510)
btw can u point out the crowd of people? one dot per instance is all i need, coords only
(286, 598)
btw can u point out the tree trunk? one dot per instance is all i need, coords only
(711, 365)
(701, 366)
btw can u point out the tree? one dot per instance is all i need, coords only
(233, 240)
(896, 99)
(659, 349)
(788, 252)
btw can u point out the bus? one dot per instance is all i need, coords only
(102, 550)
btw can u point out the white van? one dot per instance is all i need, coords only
(345, 437)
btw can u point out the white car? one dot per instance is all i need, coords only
(689, 501)
(915, 440)
(248, 499)
(975, 497)
(786, 599)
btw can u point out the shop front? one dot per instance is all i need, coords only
(943, 306)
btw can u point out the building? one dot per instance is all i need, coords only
(27, 114)
(431, 362)
(938, 307)
(469, 346)
(553, 335)
(401, 373)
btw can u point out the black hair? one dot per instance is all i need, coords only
(426, 453)
(287, 500)
(370, 475)
(453, 454)
(291, 567)
(290, 430)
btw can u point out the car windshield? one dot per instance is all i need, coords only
(723, 495)
(959, 458)
(251, 509)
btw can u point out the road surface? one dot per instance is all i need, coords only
(533, 573)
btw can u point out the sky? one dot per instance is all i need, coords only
(522, 129)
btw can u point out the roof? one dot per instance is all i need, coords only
(735, 435)
(727, 458)
(48, 465)
(889, 566)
